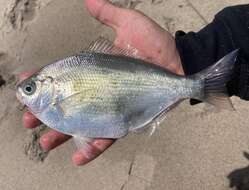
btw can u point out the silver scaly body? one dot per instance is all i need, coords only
(106, 92)
(101, 95)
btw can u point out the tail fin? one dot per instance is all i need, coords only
(215, 78)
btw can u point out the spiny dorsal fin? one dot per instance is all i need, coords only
(103, 45)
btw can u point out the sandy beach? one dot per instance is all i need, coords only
(194, 148)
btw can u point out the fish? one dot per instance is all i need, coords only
(107, 92)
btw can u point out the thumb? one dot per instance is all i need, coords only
(105, 12)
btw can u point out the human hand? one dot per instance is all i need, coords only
(132, 28)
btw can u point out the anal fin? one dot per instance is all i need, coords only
(83, 145)
(156, 120)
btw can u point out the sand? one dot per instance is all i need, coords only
(195, 148)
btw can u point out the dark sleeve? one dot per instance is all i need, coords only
(228, 31)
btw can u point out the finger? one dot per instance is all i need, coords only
(52, 139)
(105, 12)
(30, 121)
(97, 147)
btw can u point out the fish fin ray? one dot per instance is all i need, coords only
(215, 78)
(70, 103)
(103, 45)
(156, 120)
(82, 142)
(219, 100)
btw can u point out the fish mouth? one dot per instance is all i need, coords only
(19, 95)
(19, 98)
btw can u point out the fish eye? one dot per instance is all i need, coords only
(29, 88)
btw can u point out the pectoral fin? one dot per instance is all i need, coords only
(72, 104)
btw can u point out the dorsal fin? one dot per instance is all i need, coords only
(103, 45)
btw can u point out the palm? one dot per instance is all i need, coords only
(159, 46)
(152, 42)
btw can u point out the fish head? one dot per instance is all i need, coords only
(36, 92)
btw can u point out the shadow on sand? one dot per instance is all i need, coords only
(239, 178)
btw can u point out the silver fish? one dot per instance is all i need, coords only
(105, 93)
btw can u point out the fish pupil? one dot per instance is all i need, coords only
(28, 89)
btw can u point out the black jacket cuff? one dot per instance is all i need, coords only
(228, 31)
